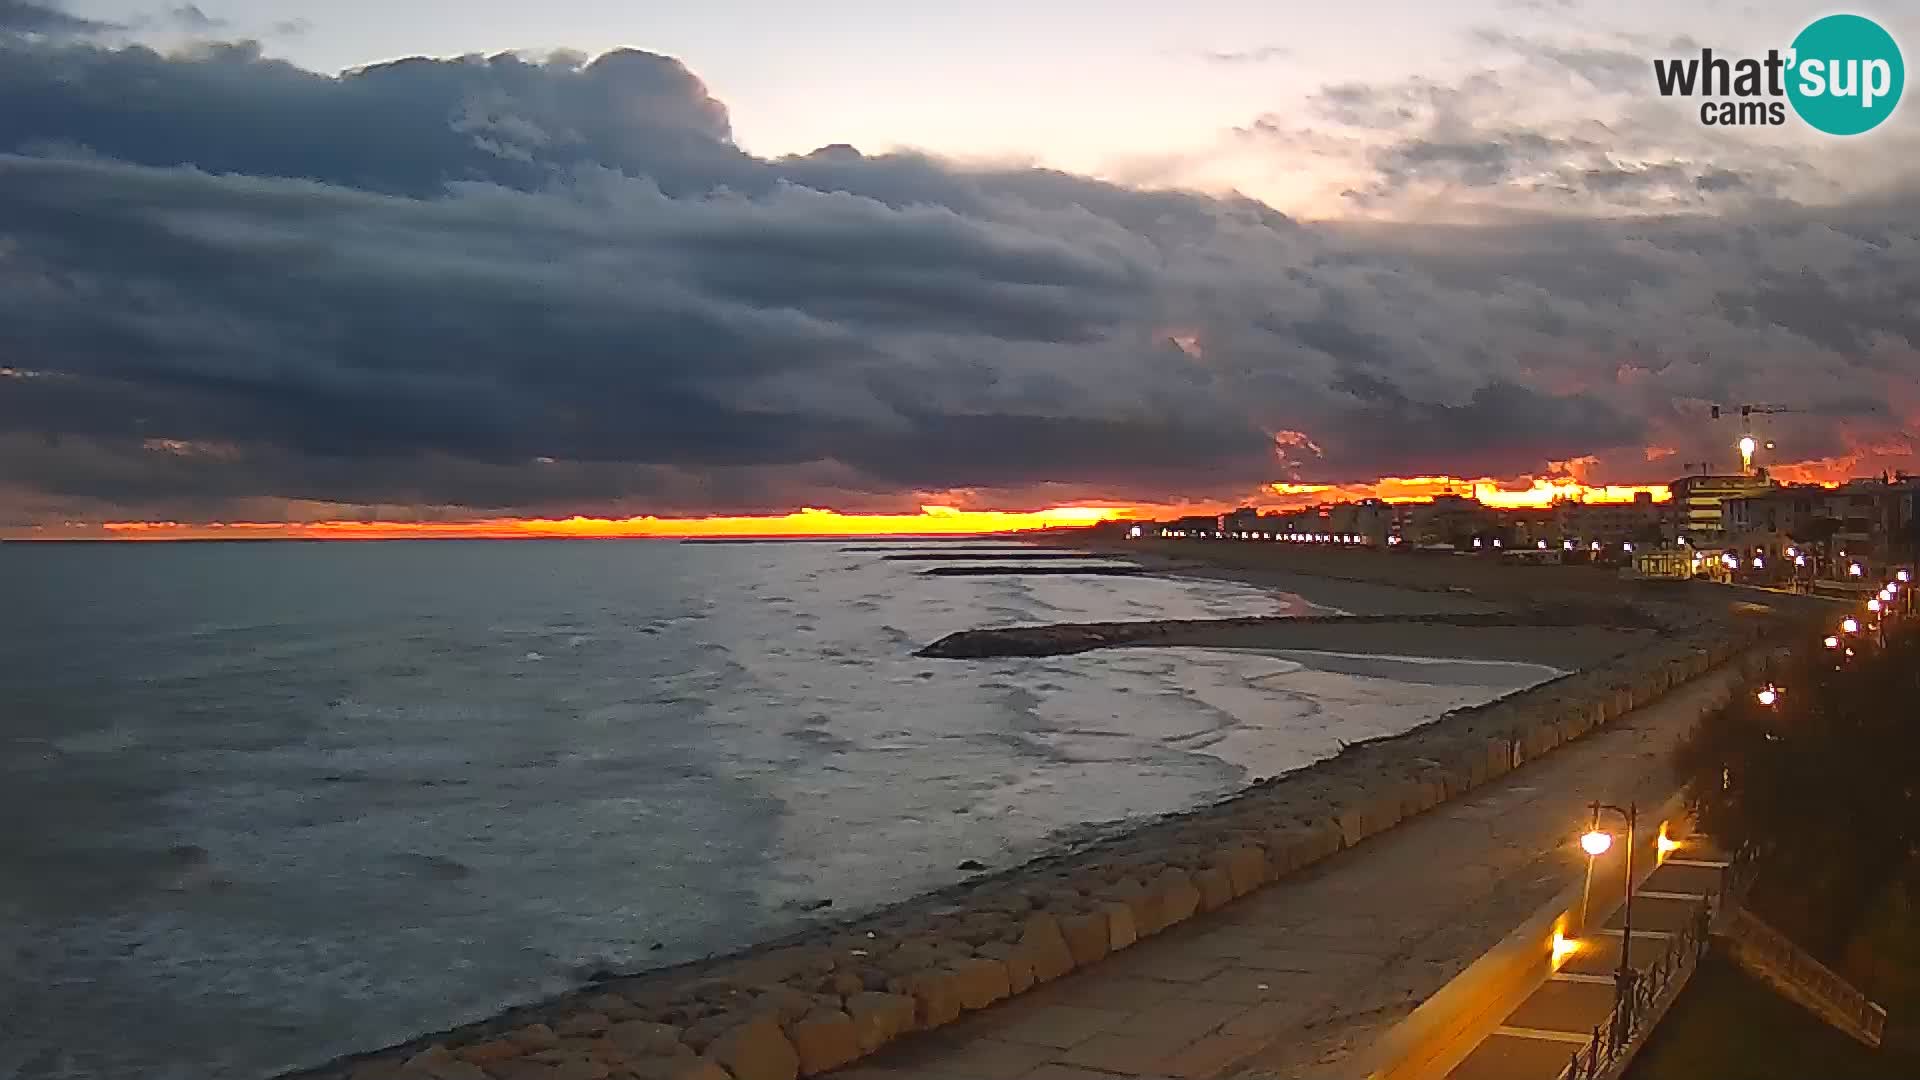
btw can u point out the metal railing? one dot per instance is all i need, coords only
(1777, 953)
(1639, 1006)
(1640, 1003)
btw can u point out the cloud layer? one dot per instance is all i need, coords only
(545, 286)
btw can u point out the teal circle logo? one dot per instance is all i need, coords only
(1847, 74)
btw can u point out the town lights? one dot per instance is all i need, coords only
(1901, 577)
(1759, 563)
(1793, 553)
(1833, 642)
(1855, 570)
(1596, 545)
(1850, 626)
(1874, 604)
(1566, 545)
(1799, 560)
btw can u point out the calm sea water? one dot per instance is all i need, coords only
(270, 803)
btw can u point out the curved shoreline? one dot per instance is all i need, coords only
(824, 996)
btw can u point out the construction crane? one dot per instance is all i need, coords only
(1748, 444)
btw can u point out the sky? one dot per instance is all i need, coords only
(425, 260)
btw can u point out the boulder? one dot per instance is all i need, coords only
(1247, 866)
(936, 996)
(1047, 946)
(1088, 937)
(1018, 962)
(642, 1038)
(1120, 928)
(879, 1018)
(1135, 897)
(676, 1068)
(1175, 895)
(488, 1050)
(535, 1037)
(586, 1023)
(784, 1003)
(756, 1050)
(983, 980)
(825, 1040)
(1216, 888)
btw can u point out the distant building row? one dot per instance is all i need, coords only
(1875, 518)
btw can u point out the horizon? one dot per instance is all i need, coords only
(390, 269)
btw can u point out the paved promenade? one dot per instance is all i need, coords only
(1293, 980)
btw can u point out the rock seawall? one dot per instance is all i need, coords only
(828, 996)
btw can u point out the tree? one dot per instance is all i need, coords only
(1824, 781)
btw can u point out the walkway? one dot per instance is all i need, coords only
(1564, 1017)
(1292, 980)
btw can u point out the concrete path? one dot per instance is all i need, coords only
(1292, 980)
(1538, 1039)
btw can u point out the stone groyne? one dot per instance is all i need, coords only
(1061, 639)
(828, 996)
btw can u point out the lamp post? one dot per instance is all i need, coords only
(1595, 843)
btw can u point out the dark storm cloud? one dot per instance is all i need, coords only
(556, 285)
(38, 18)
(189, 17)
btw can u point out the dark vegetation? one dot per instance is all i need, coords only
(1826, 783)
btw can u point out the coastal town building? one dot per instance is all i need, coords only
(1795, 530)
(1698, 510)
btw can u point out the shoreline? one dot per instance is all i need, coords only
(832, 992)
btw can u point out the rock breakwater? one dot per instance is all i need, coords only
(1064, 638)
(825, 997)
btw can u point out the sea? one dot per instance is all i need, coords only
(268, 803)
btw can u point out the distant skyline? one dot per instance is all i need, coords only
(274, 260)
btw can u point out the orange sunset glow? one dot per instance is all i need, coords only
(930, 521)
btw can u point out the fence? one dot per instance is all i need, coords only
(1637, 1010)
(1832, 996)
(1644, 1001)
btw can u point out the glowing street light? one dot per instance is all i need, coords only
(1874, 604)
(1759, 563)
(1769, 695)
(1793, 553)
(1850, 626)
(1799, 560)
(1901, 577)
(1833, 642)
(1596, 842)
(1855, 570)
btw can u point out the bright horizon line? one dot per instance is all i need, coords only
(930, 520)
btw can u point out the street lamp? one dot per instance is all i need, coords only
(1768, 696)
(1596, 842)
(1850, 626)
(1855, 570)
